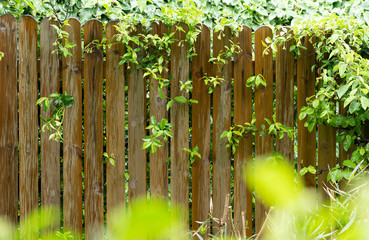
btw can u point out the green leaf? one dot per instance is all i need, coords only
(354, 106)
(224, 134)
(342, 69)
(349, 163)
(303, 171)
(169, 104)
(347, 143)
(312, 169)
(364, 102)
(180, 99)
(342, 90)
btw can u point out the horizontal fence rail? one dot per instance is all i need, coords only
(84, 186)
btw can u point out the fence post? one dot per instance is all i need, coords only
(28, 123)
(221, 122)
(242, 114)
(179, 117)
(305, 89)
(285, 66)
(158, 161)
(137, 160)
(201, 129)
(93, 103)
(50, 150)
(72, 132)
(8, 119)
(263, 109)
(115, 123)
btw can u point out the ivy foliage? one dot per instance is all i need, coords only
(252, 13)
(342, 98)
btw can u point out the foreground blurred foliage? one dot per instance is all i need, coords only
(295, 212)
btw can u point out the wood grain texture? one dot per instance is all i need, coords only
(115, 111)
(50, 150)
(242, 114)
(93, 103)
(326, 156)
(201, 129)
(179, 117)
(137, 160)
(285, 64)
(158, 163)
(221, 122)
(8, 119)
(305, 89)
(263, 109)
(28, 123)
(72, 128)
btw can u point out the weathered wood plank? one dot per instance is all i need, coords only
(137, 160)
(72, 128)
(8, 119)
(179, 66)
(158, 163)
(115, 113)
(263, 109)
(28, 123)
(50, 150)
(305, 89)
(243, 114)
(201, 129)
(221, 122)
(326, 156)
(93, 103)
(285, 65)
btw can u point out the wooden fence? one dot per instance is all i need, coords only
(30, 173)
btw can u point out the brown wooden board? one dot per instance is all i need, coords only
(115, 115)
(93, 126)
(72, 132)
(305, 89)
(242, 114)
(201, 129)
(263, 109)
(28, 123)
(285, 65)
(50, 150)
(8, 119)
(326, 156)
(179, 116)
(221, 122)
(158, 161)
(137, 160)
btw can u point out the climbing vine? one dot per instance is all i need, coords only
(341, 44)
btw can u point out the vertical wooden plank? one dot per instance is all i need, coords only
(137, 161)
(28, 122)
(201, 129)
(179, 114)
(50, 150)
(285, 64)
(115, 111)
(221, 122)
(242, 114)
(305, 89)
(263, 109)
(72, 128)
(326, 156)
(8, 119)
(158, 163)
(93, 102)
